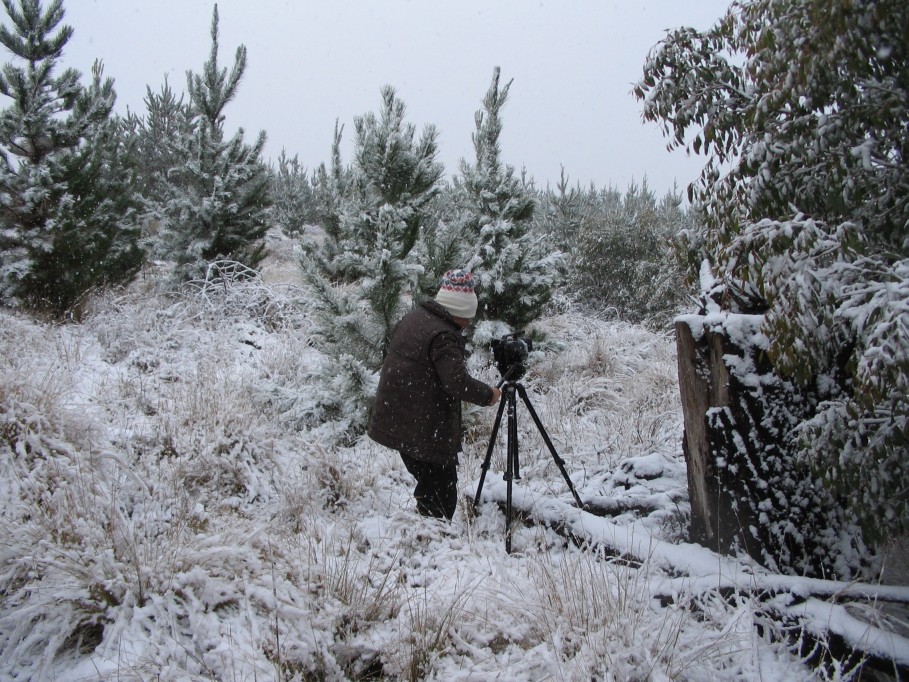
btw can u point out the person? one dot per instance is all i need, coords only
(424, 378)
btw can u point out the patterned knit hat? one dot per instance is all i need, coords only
(456, 294)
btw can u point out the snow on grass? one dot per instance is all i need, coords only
(164, 518)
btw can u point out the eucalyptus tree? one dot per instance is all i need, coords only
(801, 109)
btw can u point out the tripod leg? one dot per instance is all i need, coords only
(492, 443)
(513, 437)
(560, 463)
(511, 469)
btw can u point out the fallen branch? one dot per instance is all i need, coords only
(821, 607)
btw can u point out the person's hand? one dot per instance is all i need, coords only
(496, 394)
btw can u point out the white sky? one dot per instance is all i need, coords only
(573, 63)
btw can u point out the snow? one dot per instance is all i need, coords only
(164, 505)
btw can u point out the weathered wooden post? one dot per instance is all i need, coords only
(748, 487)
(703, 384)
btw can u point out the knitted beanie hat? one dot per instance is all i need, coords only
(456, 294)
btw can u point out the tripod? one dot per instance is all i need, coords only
(510, 389)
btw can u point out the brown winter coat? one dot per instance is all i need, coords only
(423, 381)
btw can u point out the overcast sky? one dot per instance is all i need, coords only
(573, 63)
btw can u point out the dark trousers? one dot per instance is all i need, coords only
(436, 492)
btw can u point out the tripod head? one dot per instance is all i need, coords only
(510, 354)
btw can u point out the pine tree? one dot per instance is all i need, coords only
(623, 262)
(95, 224)
(391, 185)
(514, 270)
(65, 195)
(292, 195)
(331, 187)
(442, 246)
(562, 213)
(216, 203)
(155, 143)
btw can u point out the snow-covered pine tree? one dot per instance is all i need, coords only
(216, 203)
(393, 180)
(332, 185)
(95, 225)
(331, 188)
(562, 212)
(515, 270)
(442, 246)
(292, 198)
(66, 206)
(155, 143)
(800, 108)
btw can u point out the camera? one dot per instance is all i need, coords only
(510, 354)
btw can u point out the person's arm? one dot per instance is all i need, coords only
(447, 356)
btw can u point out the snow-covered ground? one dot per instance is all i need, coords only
(164, 517)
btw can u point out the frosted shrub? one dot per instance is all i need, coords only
(229, 289)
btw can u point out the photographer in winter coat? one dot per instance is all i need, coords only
(424, 378)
